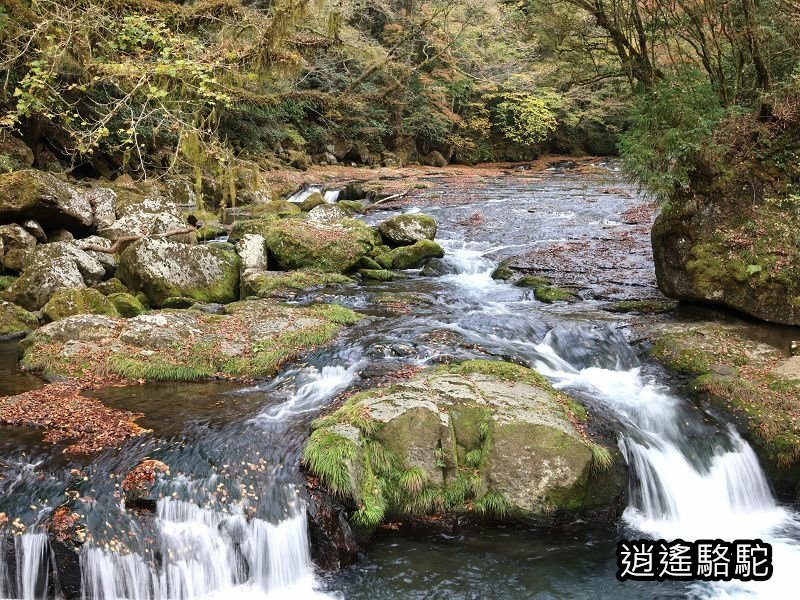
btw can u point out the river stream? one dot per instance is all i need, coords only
(231, 522)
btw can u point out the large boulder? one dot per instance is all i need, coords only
(331, 248)
(163, 269)
(252, 339)
(410, 257)
(77, 301)
(735, 252)
(30, 194)
(14, 153)
(404, 230)
(52, 267)
(487, 438)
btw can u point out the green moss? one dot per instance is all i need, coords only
(676, 356)
(111, 286)
(273, 283)
(178, 302)
(412, 257)
(6, 281)
(77, 301)
(209, 232)
(647, 307)
(365, 262)
(258, 226)
(351, 205)
(126, 305)
(280, 208)
(503, 272)
(314, 200)
(377, 274)
(532, 281)
(552, 294)
(502, 370)
(15, 319)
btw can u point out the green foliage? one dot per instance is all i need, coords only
(671, 127)
(523, 117)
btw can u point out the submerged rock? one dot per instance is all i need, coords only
(404, 230)
(490, 439)
(162, 269)
(253, 339)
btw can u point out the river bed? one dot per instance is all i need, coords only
(232, 519)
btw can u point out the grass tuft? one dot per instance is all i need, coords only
(493, 505)
(601, 458)
(327, 456)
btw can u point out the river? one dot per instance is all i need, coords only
(231, 522)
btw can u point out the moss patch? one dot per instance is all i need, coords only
(548, 294)
(127, 305)
(77, 301)
(15, 320)
(6, 280)
(276, 283)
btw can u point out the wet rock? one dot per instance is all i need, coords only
(404, 230)
(489, 439)
(137, 487)
(436, 268)
(77, 301)
(503, 272)
(15, 320)
(334, 248)
(333, 544)
(52, 267)
(414, 256)
(162, 269)
(30, 194)
(310, 203)
(353, 191)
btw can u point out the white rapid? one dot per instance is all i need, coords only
(713, 488)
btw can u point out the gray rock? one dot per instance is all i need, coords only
(30, 194)
(253, 252)
(404, 230)
(35, 230)
(326, 214)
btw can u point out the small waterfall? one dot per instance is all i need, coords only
(304, 192)
(331, 196)
(468, 265)
(32, 577)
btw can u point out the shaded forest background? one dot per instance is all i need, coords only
(692, 93)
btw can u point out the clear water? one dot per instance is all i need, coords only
(231, 520)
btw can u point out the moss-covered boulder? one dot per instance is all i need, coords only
(310, 203)
(14, 153)
(245, 227)
(111, 286)
(77, 301)
(15, 320)
(162, 269)
(30, 194)
(327, 214)
(485, 438)
(52, 267)
(377, 274)
(281, 284)
(734, 249)
(751, 381)
(252, 339)
(404, 230)
(127, 305)
(331, 248)
(279, 208)
(411, 257)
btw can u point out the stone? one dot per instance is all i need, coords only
(35, 230)
(483, 437)
(14, 153)
(16, 236)
(415, 255)
(127, 305)
(282, 284)
(52, 267)
(103, 201)
(60, 235)
(15, 320)
(67, 302)
(162, 269)
(404, 230)
(111, 286)
(30, 194)
(333, 248)
(109, 261)
(327, 214)
(313, 200)
(252, 251)
(279, 208)
(434, 159)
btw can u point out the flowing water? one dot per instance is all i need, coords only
(231, 520)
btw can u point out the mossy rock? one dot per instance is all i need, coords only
(279, 208)
(127, 305)
(404, 230)
(331, 248)
(258, 226)
(178, 302)
(365, 262)
(415, 255)
(645, 307)
(314, 200)
(6, 281)
(14, 154)
(352, 205)
(532, 281)
(163, 269)
(549, 294)
(503, 272)
(77, 301)
(269, 284)
(31, 194)
(111, 286)
(486, 438)
(377, 274)
(209, 232)
(15, 320)
(252, 339)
